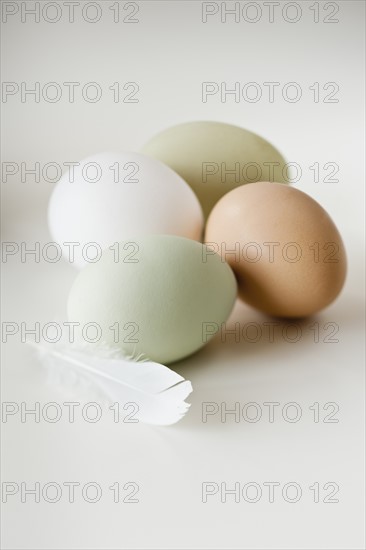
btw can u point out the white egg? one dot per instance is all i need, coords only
(111, 197)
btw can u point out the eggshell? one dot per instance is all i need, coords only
(204, 153)
(285, 250)
(162, 291)
(134, 196)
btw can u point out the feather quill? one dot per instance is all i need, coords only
(158, 392)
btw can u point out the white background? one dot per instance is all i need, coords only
(169, 53)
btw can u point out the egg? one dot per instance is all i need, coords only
(214, 158)
(110, 197)
(285, 250)
(161, 296)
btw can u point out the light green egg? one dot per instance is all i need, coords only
(166, 295)
(214, 158)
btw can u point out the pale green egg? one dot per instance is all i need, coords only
(214, 158)
(162, 296)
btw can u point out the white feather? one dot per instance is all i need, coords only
(158, 392)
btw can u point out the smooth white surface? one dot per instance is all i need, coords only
(170, 53)
(111, 197)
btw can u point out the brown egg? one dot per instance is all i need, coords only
(285, 250)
